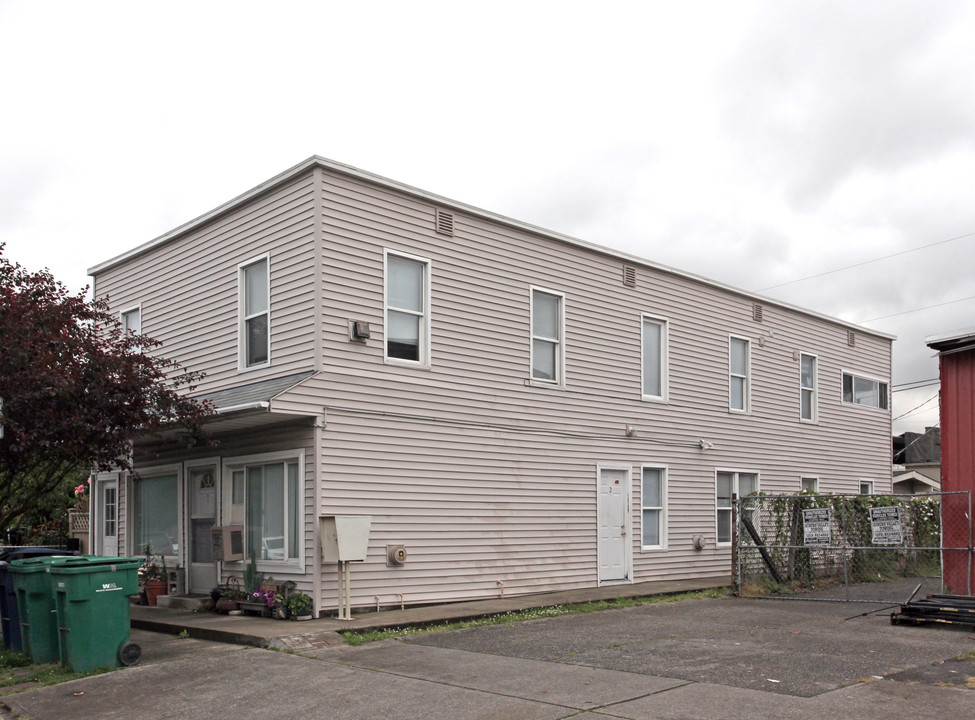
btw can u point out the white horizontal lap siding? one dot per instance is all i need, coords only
(476, 504)
(188, 287)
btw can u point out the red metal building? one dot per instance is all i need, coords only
(956, 355)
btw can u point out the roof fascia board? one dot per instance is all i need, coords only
(318, 161)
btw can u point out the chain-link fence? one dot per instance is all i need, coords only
(861, 548)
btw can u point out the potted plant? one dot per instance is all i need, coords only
(152, 576)
(226, 598)
(262, 600)
(299, 606)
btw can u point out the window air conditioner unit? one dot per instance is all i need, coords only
(228, 542)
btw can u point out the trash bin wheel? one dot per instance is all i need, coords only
(129, 654)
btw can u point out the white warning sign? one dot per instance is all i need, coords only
(885, 522)
(815, 526)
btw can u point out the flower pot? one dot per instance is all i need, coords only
(254, 607)
(153, 589)
(226, 605)
(300, 617)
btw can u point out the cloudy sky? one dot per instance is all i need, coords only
(754, 142)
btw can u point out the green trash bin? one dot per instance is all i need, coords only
(35, 605)
(91, 596)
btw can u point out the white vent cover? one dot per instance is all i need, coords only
(629, 276)
(758, 312)
(851, 338)
(445, 223)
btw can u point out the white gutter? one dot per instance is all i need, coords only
(260, 405)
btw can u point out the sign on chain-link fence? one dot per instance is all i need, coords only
(860, 548)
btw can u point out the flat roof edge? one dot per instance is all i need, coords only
(319, 161)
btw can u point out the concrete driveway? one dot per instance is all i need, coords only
(725, 658)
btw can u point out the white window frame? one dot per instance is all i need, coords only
(734, 491)
(868, 484)
(130, 481)
(747, 377)
(664, 359)
(242, 365)
(423, 315)
(228, 467)
(811, 480)
(813, 392)
(881, 397)
(559, 380)
(661, 509)
(126, 313)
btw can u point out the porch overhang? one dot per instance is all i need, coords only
(240, 408)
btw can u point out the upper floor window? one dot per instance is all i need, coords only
(654, 358)
(254, 314)
(547, 324)
(654, 507)
(807, 387)
(729, 485)
(132, 322)
(739, 372)
(859, 390)
(407, 308)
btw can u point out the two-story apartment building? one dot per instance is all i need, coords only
(522, 410)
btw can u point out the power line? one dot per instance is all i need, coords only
(926, 307)
(903, 415)
(916, 385)
(867, 262)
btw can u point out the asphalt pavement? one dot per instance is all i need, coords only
(722, 658)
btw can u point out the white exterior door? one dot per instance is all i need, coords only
(201, 575)
(106, 518)
(612, 512)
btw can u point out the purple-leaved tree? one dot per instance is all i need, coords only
(76, 389)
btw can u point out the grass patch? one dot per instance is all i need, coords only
(16, 669)
(360, 637)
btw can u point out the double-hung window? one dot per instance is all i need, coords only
(729, 484)
(807, 387)
(407, 309)
(858, 390)
(547, 329)
(254, 314)
(654, 358)
(266, 498)
(654, 507)
(132, 322)
(739, 373)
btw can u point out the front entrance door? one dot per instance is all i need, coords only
(201, 574)
(106, 515)
(612, 512)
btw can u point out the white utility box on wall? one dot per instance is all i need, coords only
(345, 538)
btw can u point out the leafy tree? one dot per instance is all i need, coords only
(76, 389)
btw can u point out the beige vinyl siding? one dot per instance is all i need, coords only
(485, 477)
(476, 504)
(188, 287)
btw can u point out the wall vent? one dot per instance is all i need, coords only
(758, 312)
(851, 338)
(445, 223)
(629, 276)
